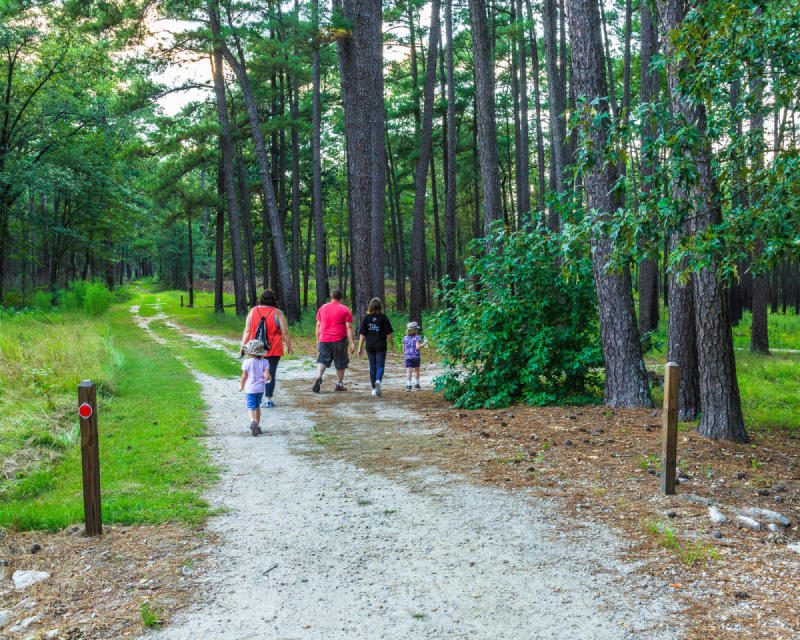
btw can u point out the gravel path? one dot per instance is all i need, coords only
(318, 548)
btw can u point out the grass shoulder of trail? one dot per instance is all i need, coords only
(153, 465)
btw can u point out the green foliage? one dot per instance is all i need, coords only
(528, 333)
(43, 301)
(75, 294)
(97, 299)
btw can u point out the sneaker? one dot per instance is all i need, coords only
(416, 385)
(254, 428)
(258, 428)
(378, 389)
(374, 392)
(339, 387)
(408, 388)
(268, 403)
(317, 385)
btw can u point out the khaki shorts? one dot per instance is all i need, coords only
(335, 352)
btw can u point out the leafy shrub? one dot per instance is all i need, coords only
(529, 332)
(14, 300)
(74, 296)
(97, 300)
(43, 301)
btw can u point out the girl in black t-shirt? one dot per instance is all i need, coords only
(376, 330)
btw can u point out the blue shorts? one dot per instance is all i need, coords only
(412, 363)
(253, 400)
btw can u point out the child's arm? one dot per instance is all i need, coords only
(244, 378)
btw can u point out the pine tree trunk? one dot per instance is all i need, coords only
(437, 234)
(418, 267)
(320, 274)
(537, 99)
(244, 199)
(191, 261)
(523, 168)
(484, 99)
(648, 269)
(270, 204)
(401, 269)
(626, 380)
(359, 66)
(219, 257)
(556, 102)
(295, 140)
(452, 151)
(229, 182)
(719, 388)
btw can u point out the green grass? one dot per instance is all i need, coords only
(153, 464)
(690, 553)
(151, 616)
(769, 385)
(209, 360)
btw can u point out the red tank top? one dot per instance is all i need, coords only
(273, 328)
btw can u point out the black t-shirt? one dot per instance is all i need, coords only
(375, 328)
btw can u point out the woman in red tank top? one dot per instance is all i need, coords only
(277, 335)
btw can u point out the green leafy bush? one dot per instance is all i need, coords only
(528, 333)
(97, 300)
(43, 301)
(14, 300)
(74, 296)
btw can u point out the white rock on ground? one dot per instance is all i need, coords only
(717, 516)
(24, 579)
(5, 616)
(794, 547)
(312, 547)
(749, 523)
(772, 516)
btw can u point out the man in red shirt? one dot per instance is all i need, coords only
(334, 331)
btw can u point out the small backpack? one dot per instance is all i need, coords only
(261, 332)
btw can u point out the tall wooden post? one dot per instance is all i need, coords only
(669, 436)
(90, 456)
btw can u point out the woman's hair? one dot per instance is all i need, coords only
(412, 332)
(375, 306)
(268, 299)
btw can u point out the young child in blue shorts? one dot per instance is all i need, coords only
(255, 373)
(412, 342)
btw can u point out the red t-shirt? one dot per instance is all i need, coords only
(332, 317)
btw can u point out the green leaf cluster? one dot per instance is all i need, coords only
(522, 327)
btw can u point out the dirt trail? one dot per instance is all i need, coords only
(317, 547)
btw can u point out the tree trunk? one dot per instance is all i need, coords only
(437, 235)
(523, 167)
(229, 182)
(219, 257)
(401, 290)
(418, 271)
(719, 388)
(378, 208)
(359, 68)
(452, 151)
(297, 234)
(556, 101)
(537, 98)
(307, 268)
(191, 261)
(320, 274)
(278, 245)
(484, 99)
(626, 380)
(247, 227)
(648, 269)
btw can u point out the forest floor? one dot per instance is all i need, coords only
(403, 517)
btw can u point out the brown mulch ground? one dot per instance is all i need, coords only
(602, 464)
(99, 585)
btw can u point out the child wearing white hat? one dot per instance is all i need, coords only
(412, 342)
(255, 373)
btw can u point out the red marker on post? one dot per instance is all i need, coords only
(85, 410)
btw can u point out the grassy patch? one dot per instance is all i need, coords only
(214, 362)
(152, 462)
(690, 553)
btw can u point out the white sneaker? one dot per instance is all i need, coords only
(374, 392)
(377, 390)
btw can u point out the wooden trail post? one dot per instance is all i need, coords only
(669, 436)
(90, 456)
